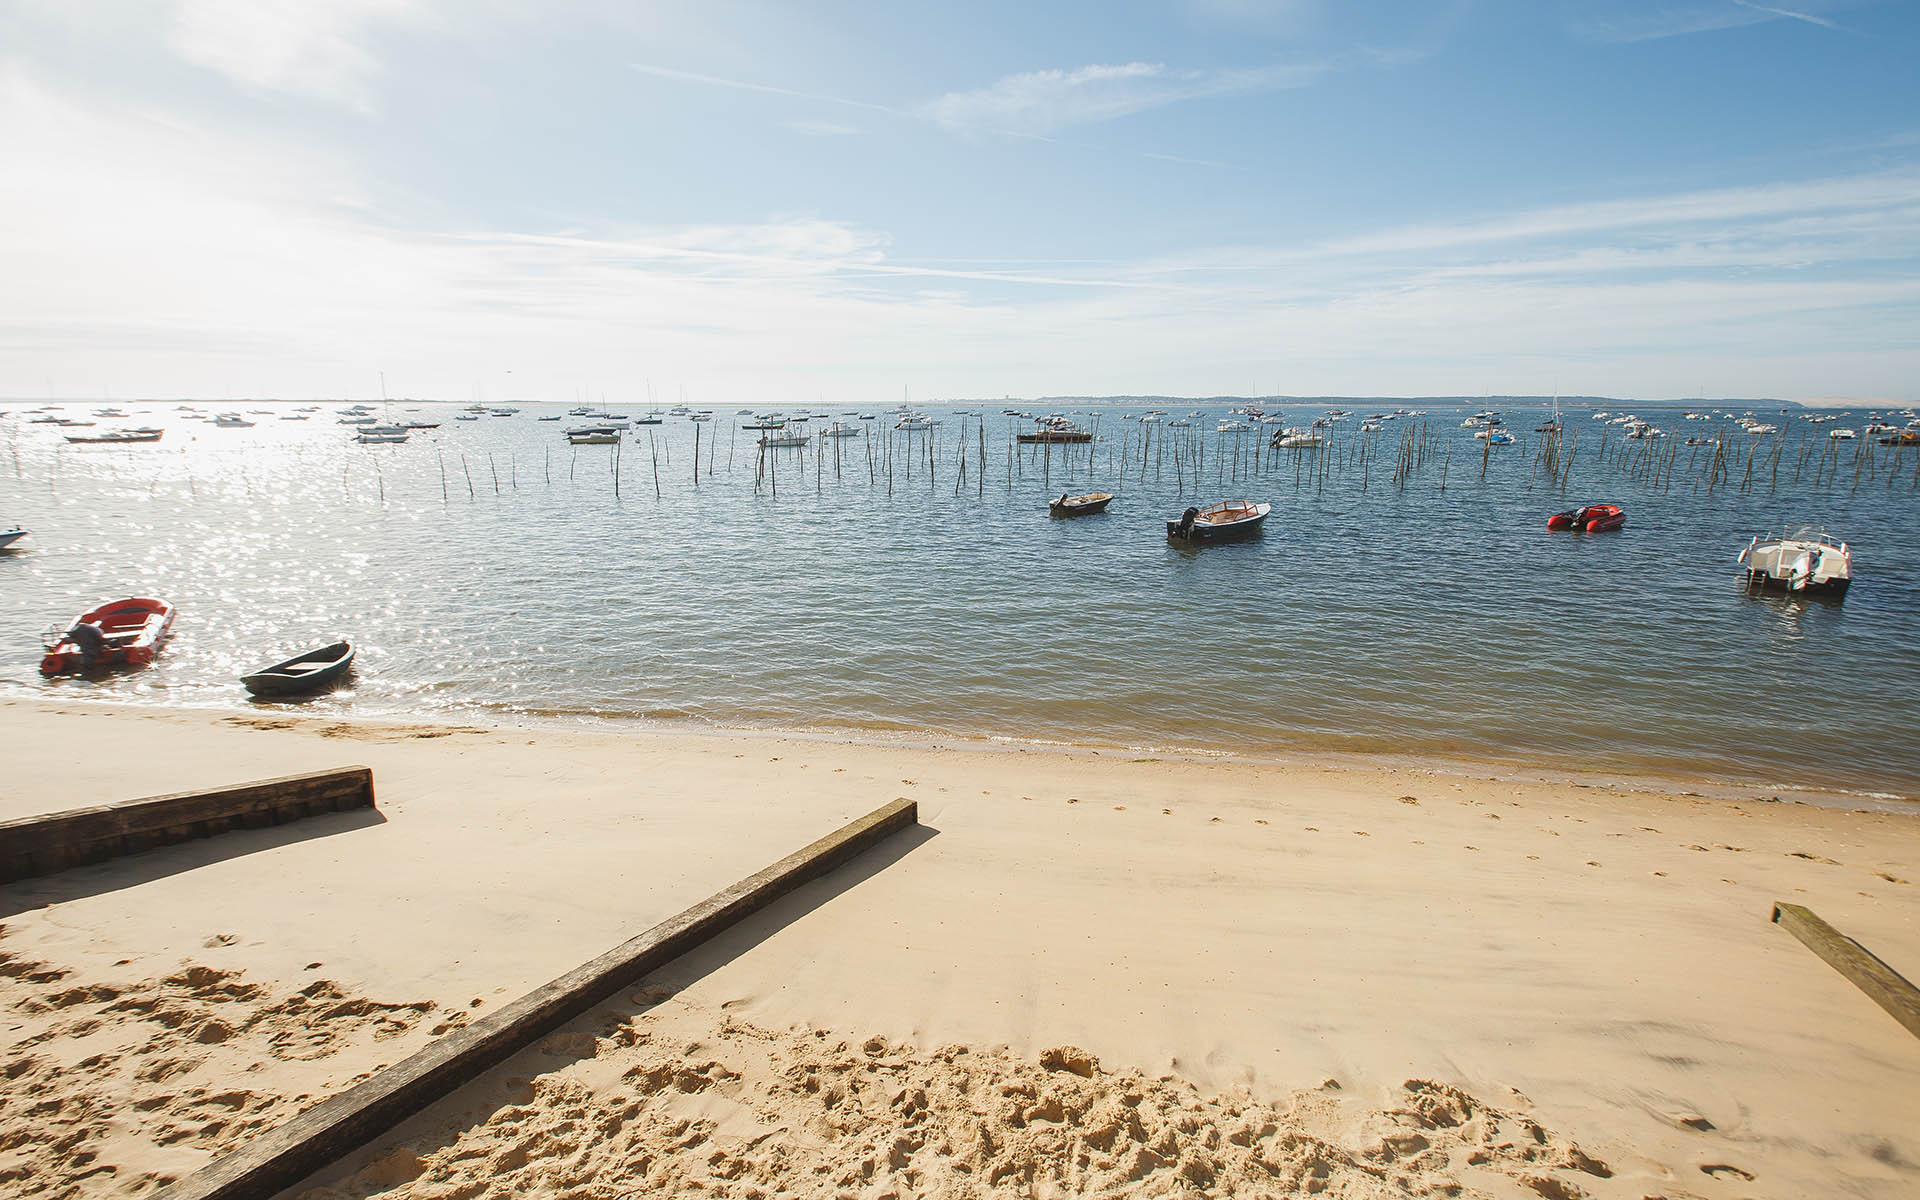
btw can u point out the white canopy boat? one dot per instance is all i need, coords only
(1805, 561)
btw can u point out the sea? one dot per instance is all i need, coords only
(1404, 599)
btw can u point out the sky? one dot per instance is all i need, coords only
(839, 201)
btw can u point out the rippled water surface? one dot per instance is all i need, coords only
(489, 566)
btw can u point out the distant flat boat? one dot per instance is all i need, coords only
(1080, 506)
(1805, 561)
(1594, 518)
(116, 437)
(127, 632)
(303, 672)
(1219, 522)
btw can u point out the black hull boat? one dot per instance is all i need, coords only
(306, 672)
(1220, 522)
(1080, 506)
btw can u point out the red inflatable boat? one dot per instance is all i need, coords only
(1594, 518)
(120, 633)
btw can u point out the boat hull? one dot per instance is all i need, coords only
(9, 536)
(302, 673)
(1080, 506)
(134, 630)
(1594, 518)
(1191, 527)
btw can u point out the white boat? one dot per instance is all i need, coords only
(1219, 522)
(1841, 435)
(232, 421)
(593, 435)
(777, 439)
(1805, 561)
(912, 423)
(369, 437)
(840, 431)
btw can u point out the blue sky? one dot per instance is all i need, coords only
(782, 202)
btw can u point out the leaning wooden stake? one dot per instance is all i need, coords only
(1882, 984)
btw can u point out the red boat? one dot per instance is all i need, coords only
(1594, 518)
(120, 633)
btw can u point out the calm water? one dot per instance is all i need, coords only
(1393, 619)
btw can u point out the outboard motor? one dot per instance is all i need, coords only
(1187, 519)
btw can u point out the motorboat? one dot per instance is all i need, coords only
(775, 439)
(1219, 522)
(9, 536)
(236, 421)
(593, 435)
(1804, 561)
(1079, 506)
(303, 672)
(1594, 518)
(1295, 439)
(1498, 437)
(370, 437)
(118, 633)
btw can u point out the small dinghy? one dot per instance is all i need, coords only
(301, 673)
(1219, 522)
(1594, 518)
(1080, 506)
(120, 633)
(1807, 561)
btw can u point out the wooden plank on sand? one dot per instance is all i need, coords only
(275, 1161)
(42, 845)
(1882, 984)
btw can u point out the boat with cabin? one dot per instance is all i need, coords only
(1806, 561)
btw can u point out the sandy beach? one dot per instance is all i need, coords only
(1086, 974)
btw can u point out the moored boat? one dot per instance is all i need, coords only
(1805, 561)
(116, 437)
(1081, 505)
(1593, 518)
(119, 633)
(9, 536)
(303, 672)
(1219, 522)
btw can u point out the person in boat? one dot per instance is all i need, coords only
(91, 641)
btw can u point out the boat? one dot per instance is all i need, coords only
(1081, 505)
(303, 672)
(839, 431)
(1594, 518)
(1841, 435)
(232, 421)
(776, 440)
(593, 435)
(369, 437)
(1294, 439)
(1219, 522)
(1804, 561)
(1904, 437)
(116, 437)
(118, 633)
(9, 536)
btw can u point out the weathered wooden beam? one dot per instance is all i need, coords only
(42, 845)
(277, 1160)
(1882, 984)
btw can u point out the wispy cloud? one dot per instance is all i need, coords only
(1809, 18)
(743, 85)
(1191, 162)
(1039, 102)
(1670, 21)
(303, 48)
(816, 128)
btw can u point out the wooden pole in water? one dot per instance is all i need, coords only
(696, 454)
(469, 474)
(654, 450)
(441, 458)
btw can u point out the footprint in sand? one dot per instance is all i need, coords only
(1719, 1169)
(1811, 857)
